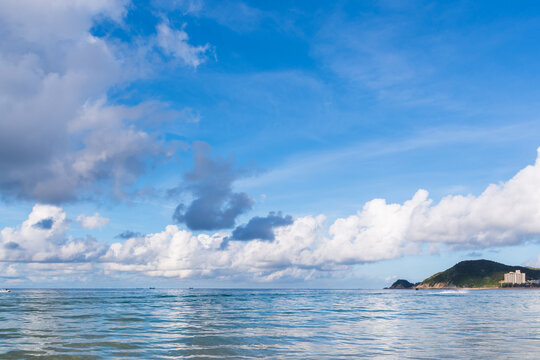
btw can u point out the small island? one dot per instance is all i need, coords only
(402, 284)
(476, 274)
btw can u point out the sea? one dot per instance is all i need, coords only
(269, 324)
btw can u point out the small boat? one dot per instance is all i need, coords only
(5, 290)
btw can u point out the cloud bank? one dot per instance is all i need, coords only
(504, 214)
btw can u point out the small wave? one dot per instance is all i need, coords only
(454, 292)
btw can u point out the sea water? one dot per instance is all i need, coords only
(269, 324)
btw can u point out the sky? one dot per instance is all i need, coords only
(320, 144)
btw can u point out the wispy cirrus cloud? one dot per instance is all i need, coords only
(313, 164)
(236, 15)
(368, 51)
(175, 43)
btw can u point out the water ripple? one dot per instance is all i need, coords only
(269, 324)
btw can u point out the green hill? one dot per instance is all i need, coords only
(401, 284)
(474, 274)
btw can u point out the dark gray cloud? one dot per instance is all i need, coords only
(44, 224)
(215, 205)
(128, 234)
(11, 245)
(261, 227)
(78, 174)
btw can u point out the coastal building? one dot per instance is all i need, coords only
(516, 277)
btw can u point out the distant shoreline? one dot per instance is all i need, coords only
(477, 274)
(468, 288)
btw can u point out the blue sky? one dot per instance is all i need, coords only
(202, 143)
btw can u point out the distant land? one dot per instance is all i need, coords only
(468, 274)
(402, 284)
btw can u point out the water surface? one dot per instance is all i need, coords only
(271, 324)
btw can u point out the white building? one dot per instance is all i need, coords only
(514, 277)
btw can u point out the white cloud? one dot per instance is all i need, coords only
(93, 221)
(43, 238)
(504, 214)
(175, 43)
(377, 232)
(180, 253)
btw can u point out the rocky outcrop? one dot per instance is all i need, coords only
(401, 284)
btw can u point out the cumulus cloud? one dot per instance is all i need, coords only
(261, 227)
(50, 243)
(93, 221)
(504, 214)
(175, 43)
(50, 65)
(61, 138)
(377, 232)
(179, 253)
(216, 205)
